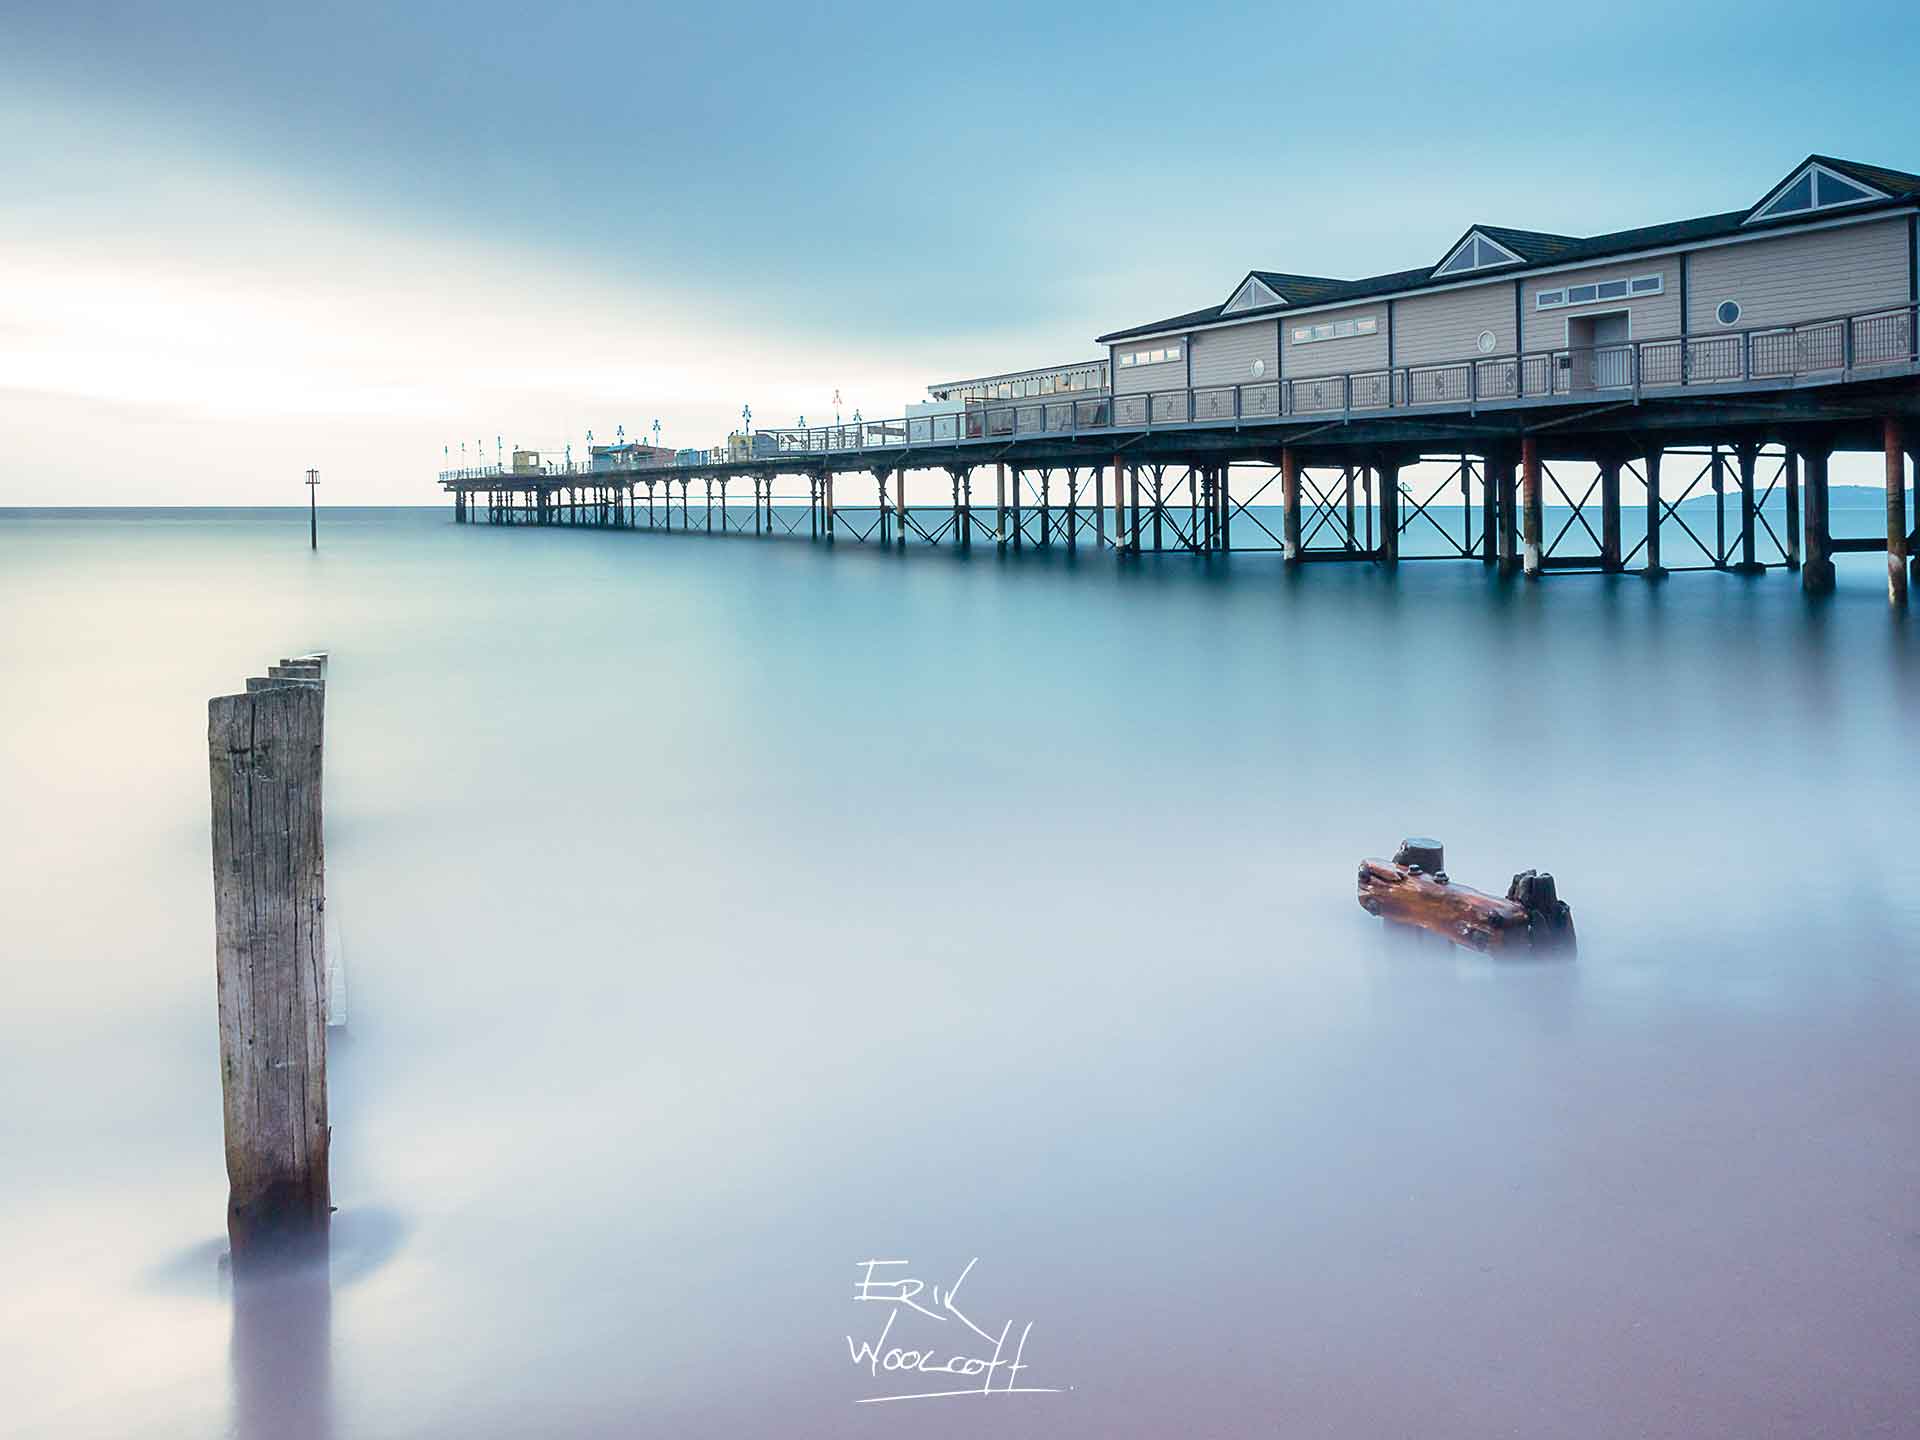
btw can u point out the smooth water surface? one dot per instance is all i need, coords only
(718, 915)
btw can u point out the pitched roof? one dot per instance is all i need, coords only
(1538, 248)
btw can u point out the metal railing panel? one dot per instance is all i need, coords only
(1317, 396)
(1370, 391)
(1818, 347)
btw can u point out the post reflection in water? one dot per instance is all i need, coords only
(282, 1353)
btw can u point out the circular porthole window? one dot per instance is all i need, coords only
(1728, 313)
(1259, 368)
(1486, 342)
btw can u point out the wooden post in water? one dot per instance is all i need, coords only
(1894, 442)
(1530, 505)
(269, 892)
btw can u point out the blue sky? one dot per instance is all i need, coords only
(347, 235)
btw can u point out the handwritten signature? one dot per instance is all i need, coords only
(997, 1374)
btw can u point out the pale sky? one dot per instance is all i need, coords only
(233, 245)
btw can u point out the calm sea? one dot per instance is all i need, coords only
(718, 916)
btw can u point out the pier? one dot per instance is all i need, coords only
(1356, 465)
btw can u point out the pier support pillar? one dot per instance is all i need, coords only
(1610, 512)
(1387, 468)
(1489, 514)
(1133, 528)
(1290, 505)
(1717, 468)
(1746, 455)
(1816, 576)
(900, 507)
(1225, 496)
(1531, 510)
(966, 507)
(1100, 506)
(826, 501)
(813, 507)
(1790, 467)
(1019, 538)
(1894, 441)
(1656, 512)
(1000, 503)
(1506, 496)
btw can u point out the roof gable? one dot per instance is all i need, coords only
(1253, 294)
(1476, 251)
(1815, 185)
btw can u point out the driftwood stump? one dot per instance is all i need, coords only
(264, 757)
(1405, 891)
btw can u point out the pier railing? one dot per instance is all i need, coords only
(1838, 346)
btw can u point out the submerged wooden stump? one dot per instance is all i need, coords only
(1404, 891)
(264, 760)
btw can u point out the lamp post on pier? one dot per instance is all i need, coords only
(313, 509)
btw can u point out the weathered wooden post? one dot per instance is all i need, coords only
(269, 891)
(1895, 444)
(1290, 505)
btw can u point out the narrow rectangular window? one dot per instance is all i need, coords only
(1368, 325)
(1581, 294)
(1549, 299)
(1612, 289)
(1649, 284)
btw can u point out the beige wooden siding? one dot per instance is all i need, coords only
(1845, 271)
(1225, 357)
(1144, 379)
(1650, 317)
(1335, 357)
(1438, 329)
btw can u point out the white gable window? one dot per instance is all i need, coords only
(1476, 252)
(1253, 295)
(1814, 188)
